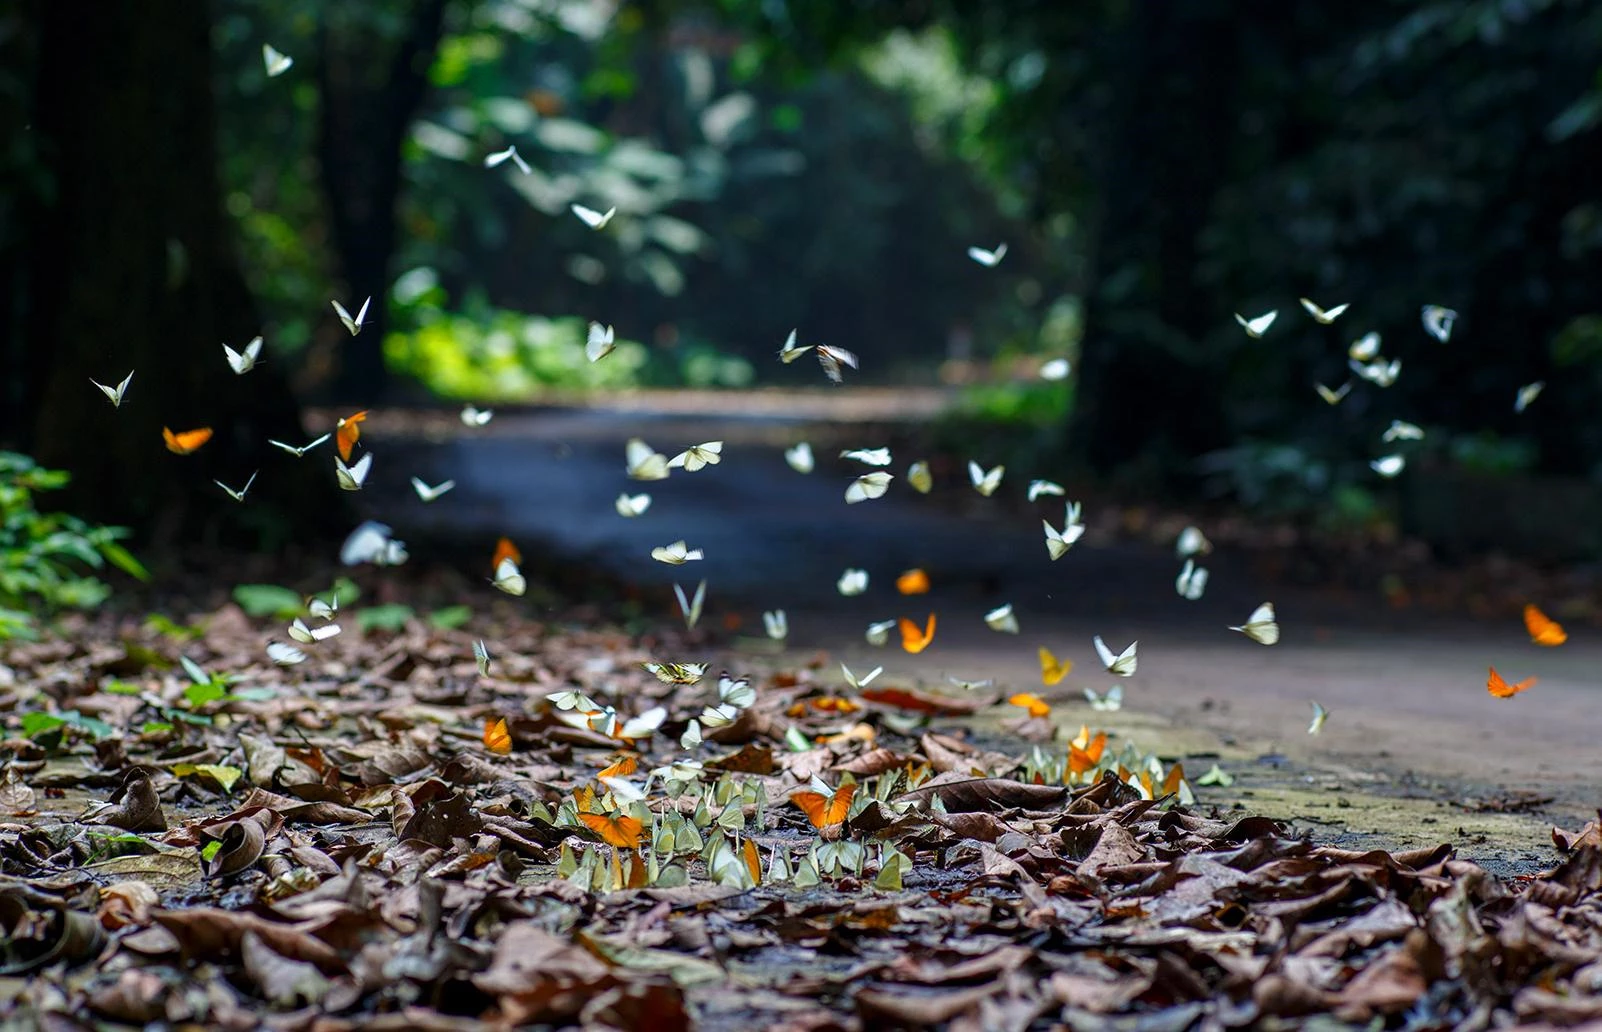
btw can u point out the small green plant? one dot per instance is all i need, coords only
(46, 558)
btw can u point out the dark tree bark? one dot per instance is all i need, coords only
(129, 267)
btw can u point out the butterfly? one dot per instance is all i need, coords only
(983, 482)
(735, 691)
(1400, 431)
(989, 259)
(862, 682)
(303, 449)
(1053, 670)
(1502, 690)
(852, 582)
(623, 790)
(776, 624)
(644, 463)
(1034, 704)
(1333, 397)
(879, 633)
(593, 218)
(1364, 348)
(971, 686)
(913, 639)
(698, 457)
(868, 456)
(1325, 316)
(497, 739)
(867, 487)
(575, 700)
(691, 609)
(676, 554)
(308, 635)
(913, 582)
(1260, 626)
(920, 478)
(1058, 542)
(800, 457)
(1543, 630)
(1109, 701)
(323, 610)
(617, 830)
(1040, 488)
(242, 362)
(348, 432)
(509, 154)
(239, 495)
(1527, 394)
(1121, 665)
(1438, 322)
(602, 341)
(186, 441)
(276, 63)
(429, 494)
(642, 726)
(1192, 542)
(1388, 466)
(1379, 372)
(632, 505)
(832, 358)
(352, 477)
(370, 543)
(721, 715)
(353, 325)
(284, 654)
(790, 351)
(114, 394)
(509, 578)
(691, 736)
(677, 673)
(1002, 619)
(474, 416)
(1192, 581)
(825, 807)
(1320, 714)
(1258, 326)
(481, 656)
(1084, 752)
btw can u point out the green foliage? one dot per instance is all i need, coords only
(45, 557)
(269, 600)
(451, 617)
(389, 617)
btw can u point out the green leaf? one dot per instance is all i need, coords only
(209, 852)
(225, 777)
(116, 687)
(200, 694)
(196, 672)
(391, 617)
(257, 694)
(451, 617)
(123, 560)
(264, 600)
(154, 727)
(167, 627)
(38, 723)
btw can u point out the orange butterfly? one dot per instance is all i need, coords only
(186, 441)
(1086, 758)
(753, 861)
(826, 810)
(497, 739)
(913, 582)
(618, 830)
(622, 767)
(1543, 629)
(504, 549)
(912, 639)
(1036, 706)
(348, 433)
(1502, 690)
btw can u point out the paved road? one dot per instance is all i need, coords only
(1405, 692)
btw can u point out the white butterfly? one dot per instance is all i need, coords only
(1038, 488)
(989, 259)
(632, 505)
(867, 486)
(1002, 619)
(1121, 665)
(691, 609)
(971, 686)
(353, 325)
(284, 654)
(692, 735)
(1192, 581)
(276, 63)
(1388, 466)
(1320, 714)
(352, 477)
(645, 464)
(509, 578)
(1528, 393)
(481, 656)
(677, 673)
(879, 633)
(791, 351)
(800, 457)
(1258, 326)
(371, 543)
(868, 456)
(303, 449)
(307, 635)
(593, 218)
(1055, 369)
(832, 358)
(1073, 515)
(1192, 542)
(509, 154)
(1325, 316)
(573, 699)
(642, 726)
(1379, 372)
(1333, 397)
(1111, 700)
(1438, 322)
(623, 791)
(239, 495)
(1364, 348)
(853, 582)
(860, 683)
(1058, 542)
(115, 394)
(242, 362)
(983, 482)
(429, 494)
(1260, 626)
(719, 716)
(1400, 431)
(698, 457)
(777, 624)
(676, 554)
(920, 478)
(323, 610)
(473, 416)
(602, 341)
(735, 691)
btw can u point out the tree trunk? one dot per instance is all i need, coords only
(130, 268)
